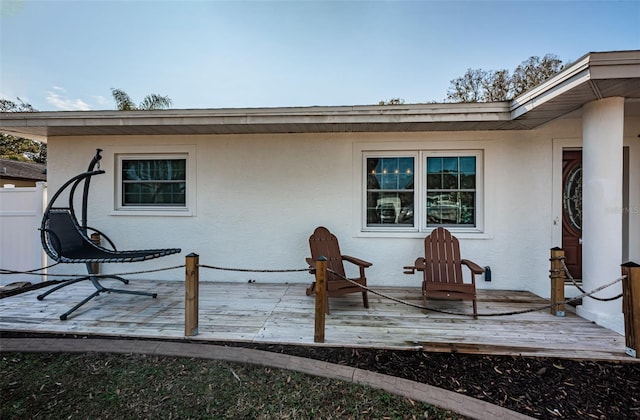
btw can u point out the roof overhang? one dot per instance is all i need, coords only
(594, 76)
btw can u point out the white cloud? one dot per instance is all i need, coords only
(57, 97)
(102, 100)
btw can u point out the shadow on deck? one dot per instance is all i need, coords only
(282, 313)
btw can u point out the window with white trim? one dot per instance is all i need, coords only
(421, 190)
(390, 191)
(153, 182)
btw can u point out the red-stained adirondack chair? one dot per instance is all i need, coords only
(442, 270)
(324, 244)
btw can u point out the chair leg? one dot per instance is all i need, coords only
(475, 309)
(424, 298)
(99, 289)
(61, 285)
(365, 299)
(125, 281)
(85, 300)
(311, 289)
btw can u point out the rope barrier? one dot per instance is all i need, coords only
(483, 315)
(251, 270)
(38, 271)
(6, 271)
(566, 271)
(33, 272)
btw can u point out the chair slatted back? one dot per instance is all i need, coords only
(442, 258)
(325, 244)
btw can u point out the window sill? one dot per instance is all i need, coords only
(153, 212)
(460, 234)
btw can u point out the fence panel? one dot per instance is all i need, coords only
(21, 212)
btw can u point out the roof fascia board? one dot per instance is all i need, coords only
(564, 81)
(615, 65)
(316, 115)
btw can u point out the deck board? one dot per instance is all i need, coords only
(282, 313)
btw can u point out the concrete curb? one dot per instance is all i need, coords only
(462, 404)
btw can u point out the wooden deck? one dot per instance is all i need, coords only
(282, 313)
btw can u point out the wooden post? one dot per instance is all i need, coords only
(191, 295)
(321, 299)
(557, 281)
(631, 308)
(95, 267)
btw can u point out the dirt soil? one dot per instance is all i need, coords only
(544, 388)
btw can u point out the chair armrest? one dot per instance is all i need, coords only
(475, 268)
(312, 265)
(417, 265)
(356, 261)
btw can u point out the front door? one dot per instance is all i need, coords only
(572, 211)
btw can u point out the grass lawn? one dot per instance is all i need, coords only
(104, 386)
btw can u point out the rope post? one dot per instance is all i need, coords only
(95, 267)
(631, 308)
(191, 295)
(557, 281)
(321, 299)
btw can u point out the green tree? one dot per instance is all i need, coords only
(17, 148)
(478, 85)
(152, 101)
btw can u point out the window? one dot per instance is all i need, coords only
(451, 191)
(390, 194)
(421, 190)
(155, 183)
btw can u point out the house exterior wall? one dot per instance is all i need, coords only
(259, 197)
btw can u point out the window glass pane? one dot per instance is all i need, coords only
(405, 215)
(450, 191)
(390, 195)
(442, 208)
(154, 182)
(467, 208)
(434, 181)
(449, 181)
(152, 170)
(468, 172)
(450, 165)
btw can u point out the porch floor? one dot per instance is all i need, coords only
(282, 313)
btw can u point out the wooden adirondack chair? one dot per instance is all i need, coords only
(442, 270)
(324, 244)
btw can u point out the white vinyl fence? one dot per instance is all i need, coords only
(21, 212)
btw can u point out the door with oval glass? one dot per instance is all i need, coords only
(572, 211)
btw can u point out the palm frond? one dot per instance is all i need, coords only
(123, 101)
(154, 101)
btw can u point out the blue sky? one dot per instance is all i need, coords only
(67, 55)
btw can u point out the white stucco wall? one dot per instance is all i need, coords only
(259, 197)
